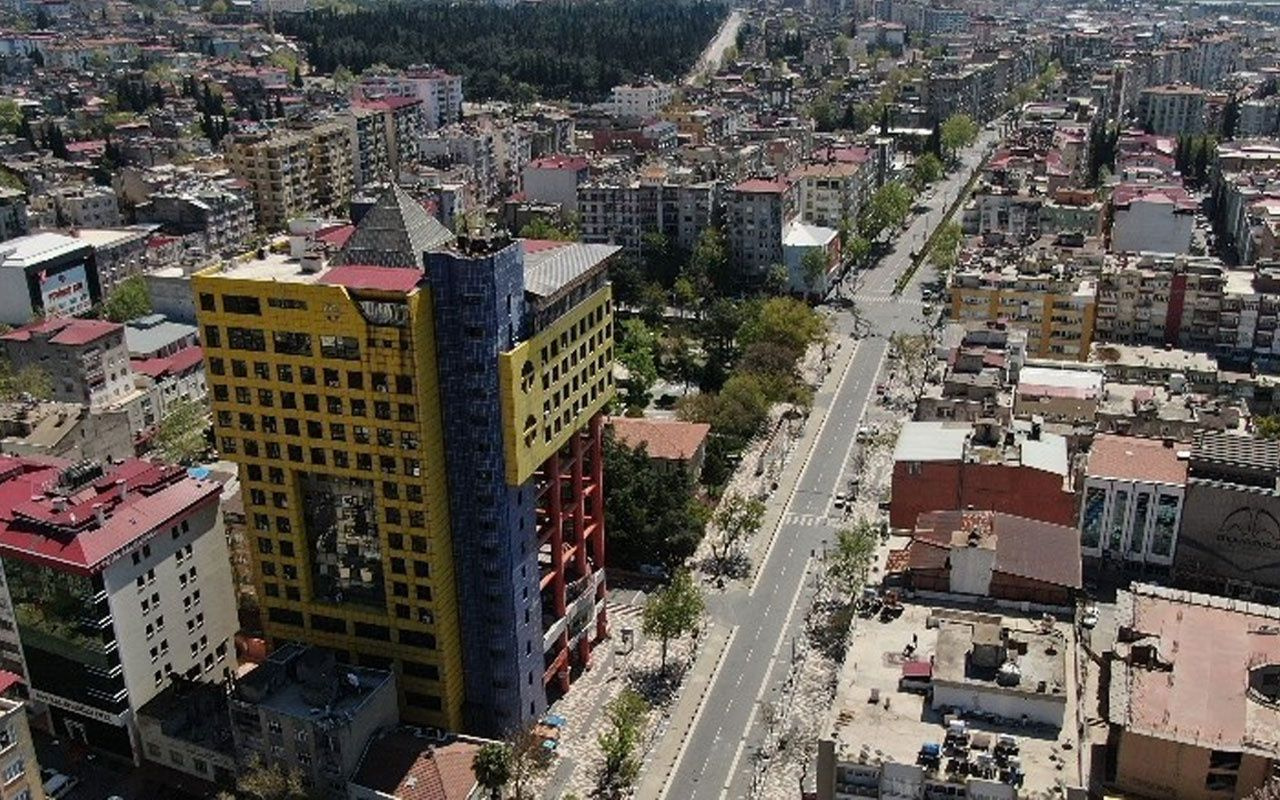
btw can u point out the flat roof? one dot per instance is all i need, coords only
(24, 251)
(1079, 383)
(1190, 682)
(932, 441)
(1133, 458)
(1039, 656)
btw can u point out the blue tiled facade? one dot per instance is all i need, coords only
(480, 312)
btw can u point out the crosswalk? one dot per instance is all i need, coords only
(808, 520)
(624, 615)
(887, 298)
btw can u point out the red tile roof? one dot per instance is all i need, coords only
(175, 364)
(8, 680)
(387, 279)
(668, 439)
(1132, 458)
(573, 163)
(406, 767)
(761, 186)
(63, 532)
(336, 236)
(65, 330)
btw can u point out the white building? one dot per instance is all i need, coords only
(798, 241)
(439, 91)
(555, 179)
(1172, 110)
(117, 581)
(641, 101)
(1134, 490)
(47, 274)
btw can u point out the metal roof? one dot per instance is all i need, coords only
(548, 271)
(395, 232)
(1239, 450)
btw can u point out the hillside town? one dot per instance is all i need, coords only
(825, 399)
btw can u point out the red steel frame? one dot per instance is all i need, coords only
(570, 518)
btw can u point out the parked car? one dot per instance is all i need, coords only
(57, 785)
(1089, 619)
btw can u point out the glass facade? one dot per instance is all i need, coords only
(1137, 536)
(342, 530)
(1095, 502)
(1166, 522)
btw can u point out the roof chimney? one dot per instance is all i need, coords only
(100, 514)
(124, 488)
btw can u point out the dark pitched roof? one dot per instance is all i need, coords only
(1027, 548)
(395, 232)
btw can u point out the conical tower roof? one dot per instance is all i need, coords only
(395, 232)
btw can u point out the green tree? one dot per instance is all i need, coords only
(180, 437)
(30, 381)
(814, 267)
(946, 244)
(958, 131)
(1267, 427)
(129, 300)
(10, 117)
(888, 208)
(674, 611)
(626, 715)
(636, 349)
(492, 767)
(654, 517)
(738, 411)
(684, 294)
(738, 518)
(926, 170)
(857, 249)
(262, 781)
(785, 321)
(709, 263)
(855, 550)
(543, 228)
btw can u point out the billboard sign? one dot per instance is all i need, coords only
(65, 293)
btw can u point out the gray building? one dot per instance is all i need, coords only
(1229, 541)
(303, 710)
(85, 358)
(13, 213)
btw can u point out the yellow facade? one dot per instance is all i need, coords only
(381, 381)
(554, 382)
(1059, 325)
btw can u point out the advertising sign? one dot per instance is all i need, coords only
(66, 293)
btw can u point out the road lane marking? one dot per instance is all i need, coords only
(687, 735)
(803, 468)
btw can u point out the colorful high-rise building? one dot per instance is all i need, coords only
(417, 424)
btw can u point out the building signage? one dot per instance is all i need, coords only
(65, 293)
(77, 708)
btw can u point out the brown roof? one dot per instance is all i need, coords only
(1132, 458)
(1027, 548)
(407, 767)
(668, 439)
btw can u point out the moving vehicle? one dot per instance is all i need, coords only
(57, 785)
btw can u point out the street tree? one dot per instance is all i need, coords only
(946, 245)
(637, 348)
(262, 781)
(887, 209)
(738, 519)
(855, 550)
(814, 267)
(914, 356)
(958, 131)
(129, 300)
(684, 294)
(785, 321)
(856, 249)
(625, 715)
(927, 169)
(527, 759)
(674, 611)
(492, 767)
(180, 437)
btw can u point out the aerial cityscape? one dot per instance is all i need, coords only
(672, 400)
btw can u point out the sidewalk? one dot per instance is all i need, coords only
(662, 760)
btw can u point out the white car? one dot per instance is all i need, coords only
(57, 785)
(1089, 619)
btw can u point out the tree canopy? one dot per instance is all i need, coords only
(653, 515)
(577, 51)
(129, 300)
(958, 131)
(181, 435)
(888, 208)
(674, 611)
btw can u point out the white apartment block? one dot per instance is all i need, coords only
(641, 101)
(439, 91)
(1172, 110)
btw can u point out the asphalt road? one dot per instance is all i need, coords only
(717, 761)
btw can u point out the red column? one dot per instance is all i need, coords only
(597, 522)
(557, 536)
(578, 509)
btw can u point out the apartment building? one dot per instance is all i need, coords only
(371, 160)
(439, 92)
(555, 179)
(217, 214)
(639, 101)
(402, 128)
(419, 443)
(86, 359)
(117, 580)
(1160, 300)
(295, 172)
(13, 213)
(622, 213)
(1134, 489)
(46, 274)
(757, 213)
(19, 769)
(1055, 307)
(303, 709)
(1147, 217)
(472, 145)
(85, 206)
(830, 194)
(1172, 110)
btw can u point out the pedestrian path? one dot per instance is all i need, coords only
(809, 520)
(624, 615)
